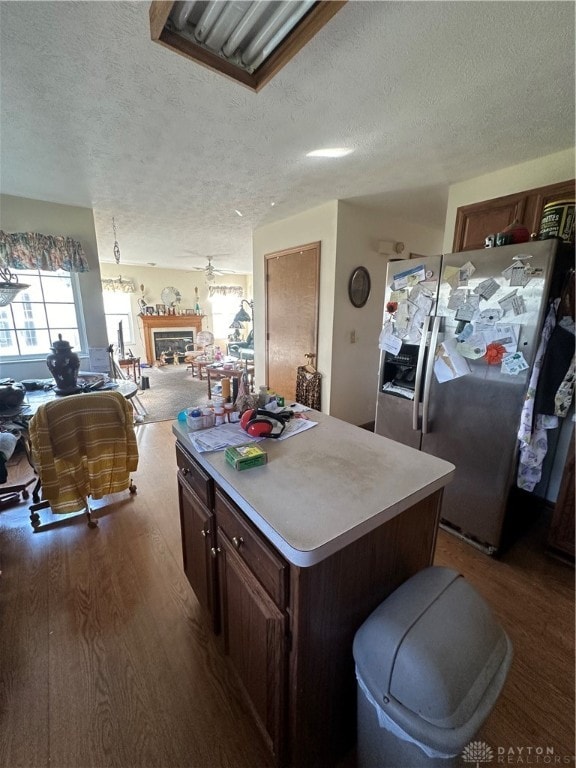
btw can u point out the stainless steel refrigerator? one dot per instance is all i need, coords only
(459, 337)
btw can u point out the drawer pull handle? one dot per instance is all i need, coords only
(204, 533)
(214, 551)
(185, 471)
(237, 541)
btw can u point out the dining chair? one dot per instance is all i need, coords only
(83, 446)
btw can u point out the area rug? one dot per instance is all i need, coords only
(172, 389)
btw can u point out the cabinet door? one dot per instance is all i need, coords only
(197, 526)
(254, 636)
(476, 221)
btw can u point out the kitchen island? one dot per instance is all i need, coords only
(289, 559)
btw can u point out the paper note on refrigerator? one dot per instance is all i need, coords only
(505, 334)
(456, 299)
(514, 364)
(487, 288)
(422, 298)
(388, 341)
(409, 277)
(513, 302)
(449, 364)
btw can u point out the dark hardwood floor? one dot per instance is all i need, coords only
(105, 661)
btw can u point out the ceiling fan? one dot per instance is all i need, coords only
(210, 271)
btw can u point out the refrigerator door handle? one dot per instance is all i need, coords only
(428, 374)
(418, 378)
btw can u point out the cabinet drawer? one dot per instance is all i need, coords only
(268, 567)
(200, 482)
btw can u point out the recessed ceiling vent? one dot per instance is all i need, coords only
(247, 40)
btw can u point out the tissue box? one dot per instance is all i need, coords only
(246, 456)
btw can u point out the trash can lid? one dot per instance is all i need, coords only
(434, 656)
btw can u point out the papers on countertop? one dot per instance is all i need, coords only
(294, 426)
(219, 438)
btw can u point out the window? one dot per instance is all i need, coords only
(118, 309)
(223, 310)
(31, 323)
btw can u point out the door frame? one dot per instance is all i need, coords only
(287, 252)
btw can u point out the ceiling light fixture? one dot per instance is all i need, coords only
(244, 40)
(330, 152)
(116, 246)
(238, 212)
(9, 286)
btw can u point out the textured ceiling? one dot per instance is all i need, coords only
(427, 93)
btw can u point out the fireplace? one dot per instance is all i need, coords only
(172, 344)
(175, 327)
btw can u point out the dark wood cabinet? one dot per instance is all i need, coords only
(240, 581)
(476, 221)
(254, 635)
(287, 631)
(195, 494)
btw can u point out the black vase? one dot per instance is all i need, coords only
(64, 365)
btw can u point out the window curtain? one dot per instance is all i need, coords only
(225, 290)
(118, 284)
(30, 250)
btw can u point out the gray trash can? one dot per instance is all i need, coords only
(431, 661)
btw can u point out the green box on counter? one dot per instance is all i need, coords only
(246, 456)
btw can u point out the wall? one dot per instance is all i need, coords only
(354, 371)
(155, 279)
(550, 169)
(19, 214)
(316, 224)
(349, 237)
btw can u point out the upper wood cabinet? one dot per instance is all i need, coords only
(476, 221)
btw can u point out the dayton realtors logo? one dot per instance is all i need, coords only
(479, 753)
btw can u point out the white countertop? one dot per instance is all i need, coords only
(326, 487)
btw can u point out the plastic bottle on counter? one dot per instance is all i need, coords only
(219, 417)
(263, 397)
(208, 417)
(226, 389)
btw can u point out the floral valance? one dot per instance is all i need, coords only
(118, 284)
(30, 250)
(225, 290)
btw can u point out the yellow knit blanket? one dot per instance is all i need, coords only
(83, 445)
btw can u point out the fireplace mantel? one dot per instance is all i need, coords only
(151, 322)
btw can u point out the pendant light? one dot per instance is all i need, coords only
(116, 246)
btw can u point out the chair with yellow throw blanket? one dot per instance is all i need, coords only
(82, 446)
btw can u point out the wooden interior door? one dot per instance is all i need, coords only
(292, 299)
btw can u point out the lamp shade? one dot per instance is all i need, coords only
(242, 316)
(236, 324)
